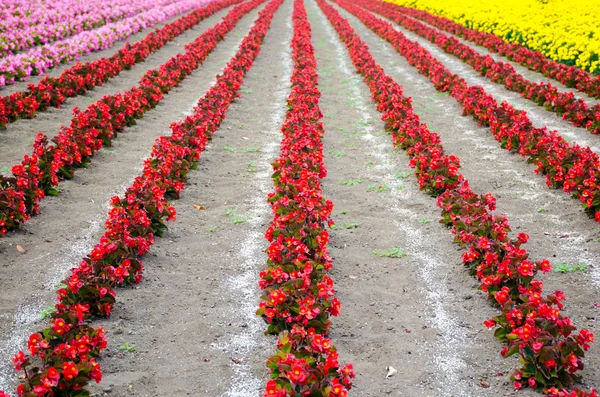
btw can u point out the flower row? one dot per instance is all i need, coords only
(567, 105)
(563, 30)
(53, 91)
(25, 34)
(74, 146)
(530, 324)
(298, 294)
(61, 359)
(570, 76)
(576, 169)
(37, 60)
(19, 14)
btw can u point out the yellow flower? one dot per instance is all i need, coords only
(566, 31)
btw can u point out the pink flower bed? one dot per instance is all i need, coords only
(38, 60)
(26, 26)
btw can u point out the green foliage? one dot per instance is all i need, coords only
(564, 268)
(390, 253)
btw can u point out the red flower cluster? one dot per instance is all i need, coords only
(67, 349)
(298, 296)
(570, 108)
(85, 76)
(570, 76)
(530, 323)
(74, 146)
(575, 169)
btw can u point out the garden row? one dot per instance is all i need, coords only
(37, 60)
(577, 111)
(563, 30)
(576, 169)
(62, 357)
(19, 32)
(570, 76)
(298, 296)
(530, 323)
(75, 81)
(90, 130)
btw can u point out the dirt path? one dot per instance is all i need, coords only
(17, 139)
(194, 314)
(558, 227)
(71, 223)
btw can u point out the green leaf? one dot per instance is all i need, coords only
(512, 350)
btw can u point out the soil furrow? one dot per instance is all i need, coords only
(69, 224)
(194, 314)
(17, 139)
(559, 229)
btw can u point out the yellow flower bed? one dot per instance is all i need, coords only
(564, 30)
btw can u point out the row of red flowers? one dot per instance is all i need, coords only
(298, 297)
(530, 324)
(567, 105)
(82, 77)
(61, 359)
(74, 146)
(576, 169)
(570, 76)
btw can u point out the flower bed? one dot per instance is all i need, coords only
(562, 30)
(570, 76)
(82, 77)
(62, 357)
(530, 324)
(576, 169)
(298, 296)
(74, 146)
(577, 111)
(33, 26)
(37, 60)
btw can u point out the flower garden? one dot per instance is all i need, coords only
(320, 198)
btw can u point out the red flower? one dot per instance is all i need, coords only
(96, 373)
(545, 266)
(19, 360)
(272, 390)
(70, 370)
(518, 385)
(502, 296)
(523, 237)
(483, 243)
(297, 374)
